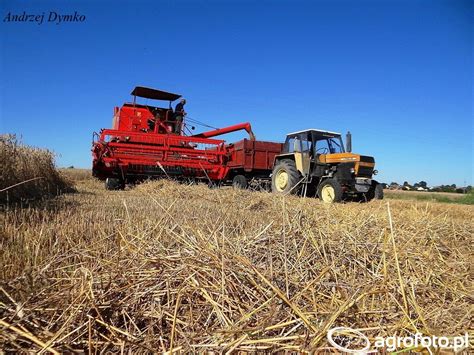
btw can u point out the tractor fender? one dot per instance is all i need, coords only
(279, 157)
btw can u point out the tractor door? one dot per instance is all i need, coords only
(302, 152)
(320, 147)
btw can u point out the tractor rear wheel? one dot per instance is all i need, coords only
(239, 182)
(330, 191)
(114, 184)
(285, 177)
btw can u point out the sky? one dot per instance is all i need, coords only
(397, 74)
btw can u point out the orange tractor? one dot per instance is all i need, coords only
(314, 163)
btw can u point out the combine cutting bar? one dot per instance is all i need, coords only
(129, 150)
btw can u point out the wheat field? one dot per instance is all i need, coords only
(168, 267)
(27, 173)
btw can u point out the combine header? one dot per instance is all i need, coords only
(148, 141)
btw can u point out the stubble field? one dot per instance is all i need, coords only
(170, 267)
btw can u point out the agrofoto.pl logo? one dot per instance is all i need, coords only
(352, 341)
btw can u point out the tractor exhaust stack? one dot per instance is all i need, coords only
(348, 142)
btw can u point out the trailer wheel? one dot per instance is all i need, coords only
(239, 182)
(285, 176)
(114, 184)
(330, 191)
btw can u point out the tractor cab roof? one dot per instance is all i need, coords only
(316, 132)
(154, 94)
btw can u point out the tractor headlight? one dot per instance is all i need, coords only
(353, 170)
(375, 172)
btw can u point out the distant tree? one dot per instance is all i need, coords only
(406, 183)
(469, 189)
(445, 188)
(423, 184)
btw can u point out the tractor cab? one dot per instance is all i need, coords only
(314, 142)
(313, 159)
(135, 117)
(309, 147)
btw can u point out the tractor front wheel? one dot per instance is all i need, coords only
(285, 177)
(375, 192)
(330, 191)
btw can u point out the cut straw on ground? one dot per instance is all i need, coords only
(179, 268)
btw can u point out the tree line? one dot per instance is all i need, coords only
(423, 186)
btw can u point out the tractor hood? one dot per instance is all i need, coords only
(363, 165)
(345, 158)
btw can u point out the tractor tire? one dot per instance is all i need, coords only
(330, 191)
(285, 177)
(239, 182)
(114, 184)
(375, 192)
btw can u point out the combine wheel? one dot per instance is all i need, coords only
(213, 185)
(239, 182)
(285, 176)
(114, 184)
(330, 191)
(375, 192)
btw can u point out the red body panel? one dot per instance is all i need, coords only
(253, 155)
(131, 118)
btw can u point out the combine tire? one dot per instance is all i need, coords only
(114, 184)
(330, 191)
(285, 176)
(375, 192)
(239, 182)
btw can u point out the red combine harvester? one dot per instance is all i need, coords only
(145, 142)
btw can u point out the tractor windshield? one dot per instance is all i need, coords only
(335, 145)
(329, 145)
